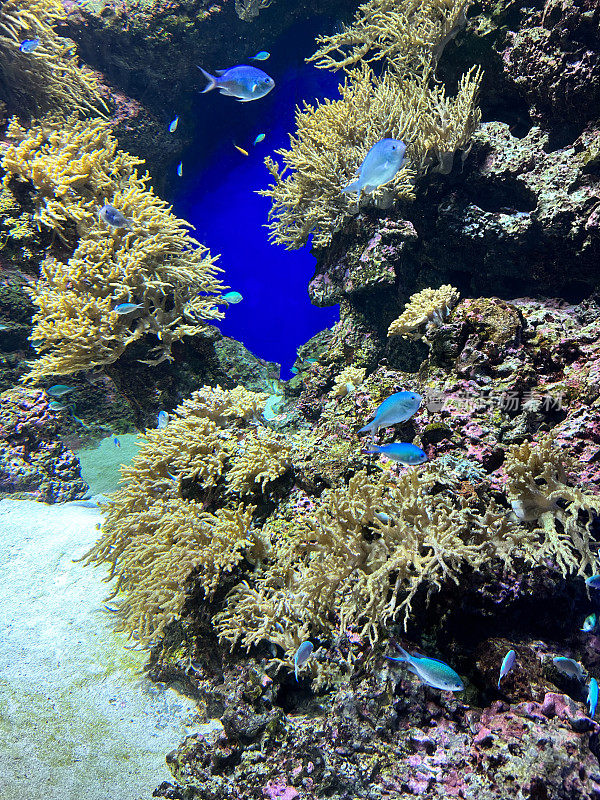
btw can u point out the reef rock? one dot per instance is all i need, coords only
(33, 463)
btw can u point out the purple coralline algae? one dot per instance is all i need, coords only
(33, 463)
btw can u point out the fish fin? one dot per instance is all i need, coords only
(245, 99)
(353, 187)
(220, 71)
(212, 81)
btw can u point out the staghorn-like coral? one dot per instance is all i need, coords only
(159, 535)
(50, 77)
(333, 138)
(409, 35)
(428, 305)
(75, 167)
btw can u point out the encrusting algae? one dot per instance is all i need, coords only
(403, 102)
(213, 490)
(74, 167)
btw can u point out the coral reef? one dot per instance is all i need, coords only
(423, 308)
(33, 463)
(75, 168)
(49, 78)
(333, 137)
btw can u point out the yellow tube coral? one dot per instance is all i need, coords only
(75, 167)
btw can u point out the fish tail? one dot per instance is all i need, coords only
(367, 429)
(353, 187)
(372, 450)
(212, 81)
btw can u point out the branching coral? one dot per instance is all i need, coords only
(75, 167)
(429, 305)
(407, 34)
(158, 536)
(50, 77)
(538, 489)
(404, 102)
(341, 566)
(259, 459)
(333, 138)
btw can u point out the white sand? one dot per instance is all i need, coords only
(78, 721)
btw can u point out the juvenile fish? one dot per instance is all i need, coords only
(163, 420)
(262, 56)
(233, 297)
(116, 441)
(127, 308)
(59, 389)
(592, 698)
(590, 623)
(569, 667)
(56, 406)
(113, 217)
(380, 165)
(593, 582)
(431, 671)
(303, 653)
(242, 151)
(259, 138)
(402, 452)
(173, 125)
(507, 664)
(242, 82)
(397, 408)
(29, 45)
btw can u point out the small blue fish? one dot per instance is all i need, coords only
(294, 370)
(59, 389)
(180, 168)
(590, 623)
(592, 698)
(507, 664)
(593, 582)
(570, 667)
(173, 125)
(259, 138)
(403, 452)
(242, 82)
(380, 165)
(303, 653)
(29, 45)
(431, 671)
(54, 405)
(113, 217)
(397, 408)
(233, 297)
(262, 56)
(163, 420)
(127, 308)
(116, 441)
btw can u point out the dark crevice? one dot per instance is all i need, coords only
(508, 196)
(563, 136)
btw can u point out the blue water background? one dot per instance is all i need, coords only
(217, 195)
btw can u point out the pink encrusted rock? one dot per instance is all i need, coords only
(483, 738)
(278, 790)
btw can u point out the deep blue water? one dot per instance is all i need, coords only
(217, 195)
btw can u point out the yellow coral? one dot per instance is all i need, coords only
(333, 138)
(423, 307)
(537, 480)
(259, 459)
(347, 381)
(50, 77)
(408, 34)
(75, 167)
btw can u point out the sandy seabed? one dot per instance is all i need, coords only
(78, 719)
